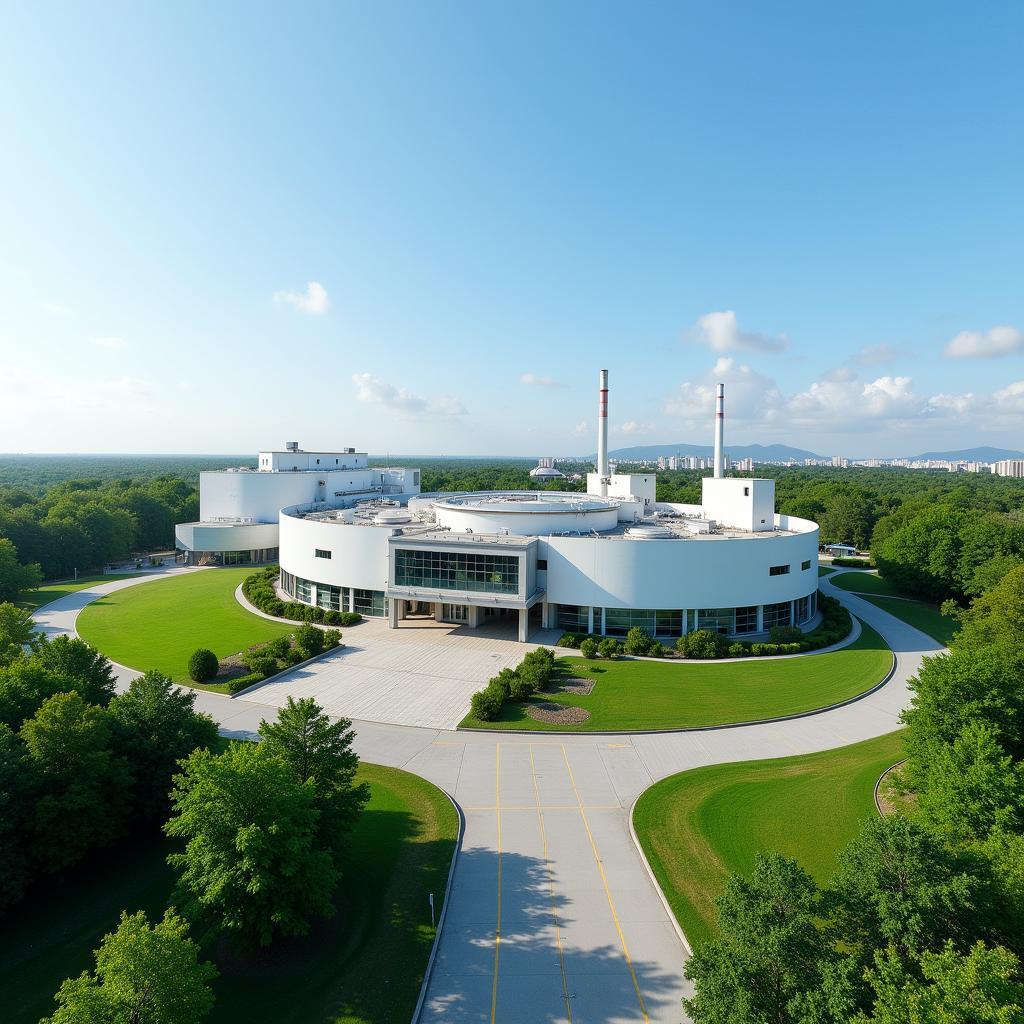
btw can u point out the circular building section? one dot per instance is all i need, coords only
(527, 513)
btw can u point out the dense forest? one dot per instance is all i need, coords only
(937, 535)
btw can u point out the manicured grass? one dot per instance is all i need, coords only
(863, 583)
(632, 695)
(698, 827)
(825, 570)
(925, 617)
(54, 591)
(363, 966)
(159, 625)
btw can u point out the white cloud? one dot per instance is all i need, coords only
(721, 333)
(632, 428)
(112, 343)
(997, 341)
(373, 389)
(313, 300)
(750, 397)
(539, 382)
(581, 428)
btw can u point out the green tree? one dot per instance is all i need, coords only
(24, 685)
(1004, 854)
(897, 885)
(252, 867)
(972, 786)
(922, 556)
(997, 617)
(15, 577)
(73, 658)
(17, 632)
(15, 803)
(155, 726)
(83, 786)
(144, 975)
(946, 987)
(771, 955)
(320, 750)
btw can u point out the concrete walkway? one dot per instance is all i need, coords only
(552, 915)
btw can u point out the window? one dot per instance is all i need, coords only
(369, 602)
(668, 622)
(573, 618)
(288, 583)
(322, 553)
(746, 620)
(803, 609)
(779, 570)
(718, 620)
(805, 565)
(328, 598)
(457, 570)
(619, 621)
(746, 494)
(303, 591)
(777, 614)
(542, 565)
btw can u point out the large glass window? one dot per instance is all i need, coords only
(573, 618)
(668, 622)
(777, 614)
(288, 583)
(746, 619)
(778, 570)
(718, 620)
(803, 609)
(237, 558)
(328, 598)
(619, 621)
(303, 590)
(368, 602)
(457, 570)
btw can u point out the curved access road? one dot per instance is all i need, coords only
(552, 915)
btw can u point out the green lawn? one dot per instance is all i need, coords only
(54, 591)
(825, 570)
(698, 827)
(159, 625)
(632, 695)
(925, 617)
(863, 583)
(363, 966)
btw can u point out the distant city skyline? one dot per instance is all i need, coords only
(423, 229)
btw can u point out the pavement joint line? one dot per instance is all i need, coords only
(607, 889)
(497, 929)
(551, 889)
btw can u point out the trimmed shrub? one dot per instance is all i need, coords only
(638, 641)
(536, 667)
(588, 648)
(486, 704)
(202, 666)
(309, 640)
(785, 634)
(239, 683)
(570, 640)
(294, 656)
(278, 647)
(503, 681)
(610, 648)
(262, 665)
(520, 688)
(703, 643)
(349, 618)
(332, 639)
(854, 563)
(738, 650)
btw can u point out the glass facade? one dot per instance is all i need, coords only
(777, 614)
(369, 602)
(619, 621)
(718, 620)
(303, 591)
(572, 618)
(746, 619)
(668, 622)
(332, 599)
(457, 570)
(803, 609)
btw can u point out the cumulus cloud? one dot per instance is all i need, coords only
(539, 382)
(112, 343)
(721, 333)
(374, 390)
(313, 300)
(754, 397)
(632, 428)
(1002, 340)
(840, 402)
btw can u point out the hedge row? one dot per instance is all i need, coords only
(854, 563)
(702, 644)
(533, 673)
(259, 592)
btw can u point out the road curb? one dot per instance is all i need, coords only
(444, 908)
(878, 784)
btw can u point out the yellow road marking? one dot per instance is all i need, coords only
(607, 889)
(497, 931)
(551, 889)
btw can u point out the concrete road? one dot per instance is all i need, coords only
(552, 915)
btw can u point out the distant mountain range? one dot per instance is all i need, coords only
(757, 452)
(983, 454)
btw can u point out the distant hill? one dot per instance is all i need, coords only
(757, 452)
(983, 454)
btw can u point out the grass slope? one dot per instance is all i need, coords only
(698, 827)
(632, 695)
(825, 570)
(363, 966)
(159, 625)
(863, 583)
(48, 592)
(922, 616)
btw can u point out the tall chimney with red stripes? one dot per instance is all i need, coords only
(719, 431)
(602, 433)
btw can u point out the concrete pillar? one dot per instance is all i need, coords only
(392, 614)
(351, 601)
(590, 619)
(760, 618)
(438, 611)
(524, 624)
(792, 613)
(686, 621)
(474, 616)
(545, 615)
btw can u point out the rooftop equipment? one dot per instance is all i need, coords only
(291, 446)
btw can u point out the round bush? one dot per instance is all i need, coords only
(202, 666)
(738, 650)
(263, 665)
(486, 704)
(588, 648)
(638, 641)
(610, 648)
(702, 643)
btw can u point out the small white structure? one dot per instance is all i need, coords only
(546, 470)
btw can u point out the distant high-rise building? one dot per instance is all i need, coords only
(1009, 467)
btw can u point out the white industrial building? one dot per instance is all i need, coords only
(353, 538)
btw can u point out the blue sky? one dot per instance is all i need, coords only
(423, 228)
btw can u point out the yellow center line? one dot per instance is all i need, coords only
(497, 930)
(551, 889)
(607, 889)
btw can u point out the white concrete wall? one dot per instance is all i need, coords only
(712, 573)
(526, 523)
(290, 461)
(259, 496)
(739, 502)
(359, 554)
(225, 537)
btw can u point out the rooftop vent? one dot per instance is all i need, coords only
(291, 446)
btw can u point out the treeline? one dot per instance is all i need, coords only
(923, 920)
(86, 524)
(37, 473)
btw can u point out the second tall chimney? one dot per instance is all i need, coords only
(719, 431)
(602, 433)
